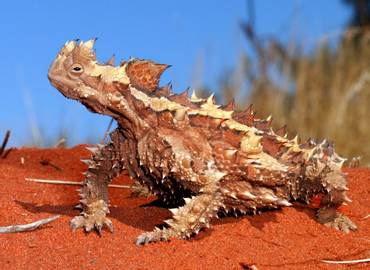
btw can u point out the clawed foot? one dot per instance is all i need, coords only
(93, 216)
(342, 223)
(330, 218)
(139, 190)
(89, 222)
(154, 236)
(146, 238)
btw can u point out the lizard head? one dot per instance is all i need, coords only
(77, 74)
(102, 88)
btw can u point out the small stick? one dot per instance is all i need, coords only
(6, 152)
(27, 227)
(355, 162)
(348, 262)
(60, 143)
(107, 131)
(46, 162)
(62, 182)
(368, 216)
(5, 142)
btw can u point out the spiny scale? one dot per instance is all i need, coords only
(198, 157)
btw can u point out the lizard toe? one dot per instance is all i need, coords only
(145, 238)
(342, 223)
(149, 237)
(90, 222)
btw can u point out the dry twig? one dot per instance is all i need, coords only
(4, 153)
(27, 227)
(61, 143)
(107, 131)
(355, 162)
(62, 182)
(348, 262)
(246, 266)
(46, 162)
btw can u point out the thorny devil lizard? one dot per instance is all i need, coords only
(188, 151)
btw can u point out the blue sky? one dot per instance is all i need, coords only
(172, 32)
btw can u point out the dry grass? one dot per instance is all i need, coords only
(322, 94)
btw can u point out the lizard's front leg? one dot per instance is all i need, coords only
(324, 175)
(193, 216)
(335, 197)
(104, 165)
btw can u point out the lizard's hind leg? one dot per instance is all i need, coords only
(104, 165)
(193, 216)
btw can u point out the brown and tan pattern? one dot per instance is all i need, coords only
(202, 157)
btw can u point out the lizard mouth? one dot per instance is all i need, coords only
(65, 86)
(56, 82)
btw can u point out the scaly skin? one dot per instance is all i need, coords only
(190, 152)
(105, 164)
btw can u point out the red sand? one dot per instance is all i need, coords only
(284, 239)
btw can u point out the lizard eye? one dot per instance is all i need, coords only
(76, 69)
